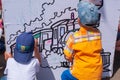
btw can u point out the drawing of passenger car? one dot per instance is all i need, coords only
(60, 32)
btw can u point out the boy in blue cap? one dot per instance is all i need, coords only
(83, 48)
(22, 66)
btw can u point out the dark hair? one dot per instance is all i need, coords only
(2, 58)
(2, 47)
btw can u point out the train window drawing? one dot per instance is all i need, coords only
(106, 60)
(51, 22)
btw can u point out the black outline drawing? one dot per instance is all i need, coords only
(56, 36)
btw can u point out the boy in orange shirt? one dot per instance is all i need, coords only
(83, 48)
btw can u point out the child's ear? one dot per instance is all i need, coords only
(78, 19)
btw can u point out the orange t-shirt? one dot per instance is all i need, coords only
(84, 47)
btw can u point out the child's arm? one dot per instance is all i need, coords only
(68, 51)
(36, 51)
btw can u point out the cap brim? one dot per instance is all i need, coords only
(22, 57)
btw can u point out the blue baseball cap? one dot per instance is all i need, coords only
(88, 13)
(24, 47)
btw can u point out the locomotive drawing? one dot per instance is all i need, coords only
(53, 39)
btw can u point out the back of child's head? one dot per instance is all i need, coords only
(88, 14)
(24, 47)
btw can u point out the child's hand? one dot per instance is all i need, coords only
(7, 55)
(36, 50)
(69, 59)
(36, 43)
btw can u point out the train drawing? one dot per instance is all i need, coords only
(53, 39)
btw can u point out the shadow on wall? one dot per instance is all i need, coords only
(45, 73)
